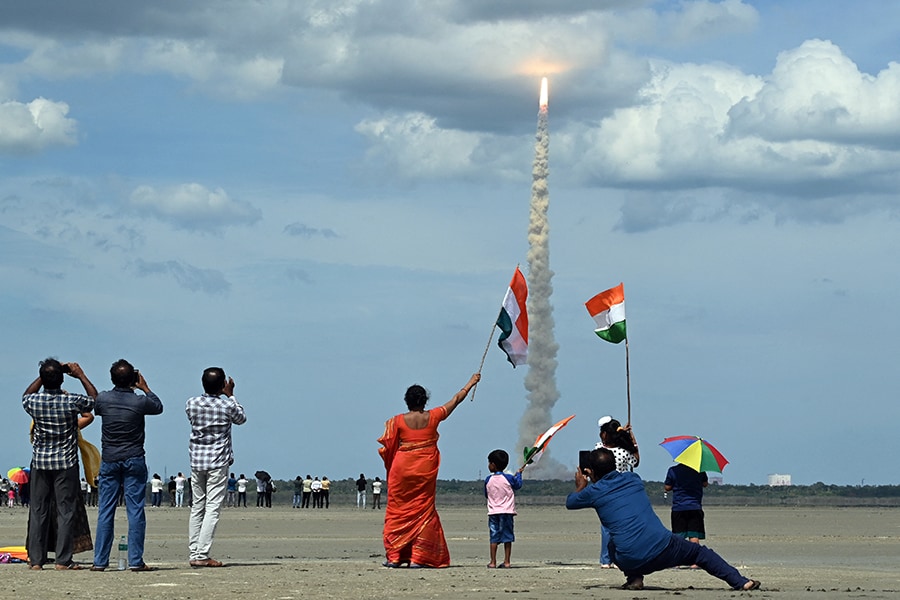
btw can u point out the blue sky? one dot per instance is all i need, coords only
(328, 200)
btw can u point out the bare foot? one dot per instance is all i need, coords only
(751, 585)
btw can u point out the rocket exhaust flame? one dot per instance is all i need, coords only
(544, 95)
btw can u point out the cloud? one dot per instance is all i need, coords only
(35, 126)
(697, 21)
(305, 231)
(815, 127)
(193, 206)
(209, 281)
(815, 92)
(414, 145)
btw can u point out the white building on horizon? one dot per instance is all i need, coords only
(776, 480)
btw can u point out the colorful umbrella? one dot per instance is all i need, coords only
(532, 455)
(18, 475)
(695, 452)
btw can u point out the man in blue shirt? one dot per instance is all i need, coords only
(123, 463)
(640, 542)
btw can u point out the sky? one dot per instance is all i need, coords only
(328, 200)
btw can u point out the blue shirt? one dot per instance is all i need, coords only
(624, 508)
(687, 487)
(122, 412)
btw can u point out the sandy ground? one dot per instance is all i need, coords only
(285, 554)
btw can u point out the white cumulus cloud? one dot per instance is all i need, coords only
(32, 127)
(193, 206)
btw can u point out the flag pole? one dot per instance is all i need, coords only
(628, 380)
(484, 356)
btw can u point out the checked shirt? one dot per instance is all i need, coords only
(55, 415)
(211, 418)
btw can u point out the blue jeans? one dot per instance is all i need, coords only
(681, 552)
(604, 545)
(132, 474)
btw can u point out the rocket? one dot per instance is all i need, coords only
(542, 105)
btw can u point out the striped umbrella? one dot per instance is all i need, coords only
(695, 452)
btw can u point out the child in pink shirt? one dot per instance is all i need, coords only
(499, 489)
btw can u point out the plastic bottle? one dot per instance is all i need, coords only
(123, 553)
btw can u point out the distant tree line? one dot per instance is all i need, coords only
(554, 491)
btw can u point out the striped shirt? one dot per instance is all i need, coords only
(55, 415)
(211, 418)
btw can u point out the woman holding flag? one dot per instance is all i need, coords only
(413, 534)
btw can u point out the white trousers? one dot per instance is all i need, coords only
(208, 488)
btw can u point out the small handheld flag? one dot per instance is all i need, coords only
(532, 455)
(608, 311)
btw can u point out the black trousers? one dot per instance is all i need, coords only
(63, 485)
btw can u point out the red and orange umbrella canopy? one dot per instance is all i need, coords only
(18, 475)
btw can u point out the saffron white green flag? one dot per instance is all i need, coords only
(513, 321)
(608, 311)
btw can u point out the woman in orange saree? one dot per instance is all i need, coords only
(413, 534)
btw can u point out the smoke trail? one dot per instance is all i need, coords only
(540, 381)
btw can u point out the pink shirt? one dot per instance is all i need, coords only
(500, 491)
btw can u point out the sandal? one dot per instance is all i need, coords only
(69, 567)
(145, 567)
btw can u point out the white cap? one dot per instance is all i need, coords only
(604, 420)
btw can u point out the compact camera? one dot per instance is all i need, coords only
(66, 369)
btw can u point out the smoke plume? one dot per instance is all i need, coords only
(540, 381)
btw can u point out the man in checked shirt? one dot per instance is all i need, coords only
(54, 462)
(211, 416)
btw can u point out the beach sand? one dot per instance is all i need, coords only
(283, 553)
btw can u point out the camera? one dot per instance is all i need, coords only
(66, 369)
(137, 378)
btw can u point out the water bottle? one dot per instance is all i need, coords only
(123, 553)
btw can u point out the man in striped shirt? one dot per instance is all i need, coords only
(211, 416)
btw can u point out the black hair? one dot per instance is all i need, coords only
(122, 374)
(213, 380)
(601, 461)
(616, 437)
(500, 459)
(416, 397)
(52, 374)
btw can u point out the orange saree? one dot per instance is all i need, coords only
(412, 528)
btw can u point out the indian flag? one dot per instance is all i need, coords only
(513, 321)
(608, 311)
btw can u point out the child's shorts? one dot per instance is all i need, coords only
(501, 527)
